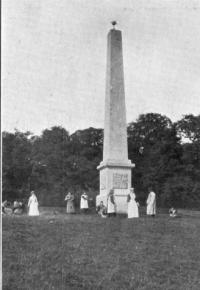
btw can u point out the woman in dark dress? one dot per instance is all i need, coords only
(70, 203)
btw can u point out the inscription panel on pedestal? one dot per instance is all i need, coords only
(120, 181)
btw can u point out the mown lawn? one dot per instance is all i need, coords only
(87, 252)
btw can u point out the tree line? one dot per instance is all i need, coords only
(166, 157)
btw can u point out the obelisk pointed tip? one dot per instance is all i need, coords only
(114, 22)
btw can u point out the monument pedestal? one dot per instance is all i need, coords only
(115, 175)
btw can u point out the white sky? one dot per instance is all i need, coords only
(54, 60)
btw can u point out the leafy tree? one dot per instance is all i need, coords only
(161, 152)
(49, 171)
(181, 191)
(55, 162)
(86, 154)
(16, 165)
(189, 127)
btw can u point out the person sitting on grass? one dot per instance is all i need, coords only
(18, 207)
(172, 212)
(15, 205)
(7, 207)
(84, 203)
(23, 205)
(102, 210)
(3, 206)
(111, 205)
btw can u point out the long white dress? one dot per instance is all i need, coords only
(84, 201)
(33, 206)
(111, 208)
(132, 207)
(151, 203)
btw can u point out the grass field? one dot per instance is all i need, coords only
(87, 252)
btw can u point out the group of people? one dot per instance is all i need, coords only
(18, 207)
(33, 210)
(109, 209)
(84, 205)
(132, 205)
(103, 210)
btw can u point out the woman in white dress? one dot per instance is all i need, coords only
(84, 202)
(111, 205)
(33, 205)
(133, 211)
(151, 203)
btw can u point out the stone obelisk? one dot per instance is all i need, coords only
(115, 169)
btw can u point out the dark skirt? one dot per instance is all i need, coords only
(70, 207)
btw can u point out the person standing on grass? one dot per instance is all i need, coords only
(84, 202)
(111, 204)
(70, 203)
(33, 205)
(151, 203)
(133, 211)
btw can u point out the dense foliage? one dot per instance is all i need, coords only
(56, 162)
